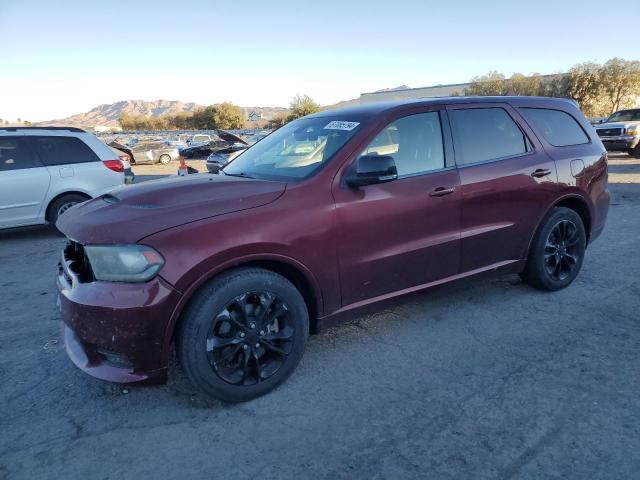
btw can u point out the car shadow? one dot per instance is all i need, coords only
(34, 232)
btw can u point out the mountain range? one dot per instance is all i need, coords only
(108, 114)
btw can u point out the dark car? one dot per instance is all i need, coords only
(220, 157)
(331, 212)
(223, 141)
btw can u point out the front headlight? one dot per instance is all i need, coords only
(124, 263)
(632, 130)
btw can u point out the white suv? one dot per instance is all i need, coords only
(46, 170)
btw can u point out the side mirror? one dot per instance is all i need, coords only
(371, 169)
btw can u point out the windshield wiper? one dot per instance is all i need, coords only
(241, 174)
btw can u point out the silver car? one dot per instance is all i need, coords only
(153, 152)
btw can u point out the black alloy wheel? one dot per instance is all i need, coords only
(561, 251)
(251, 338)
(557, 250)
(243, 334)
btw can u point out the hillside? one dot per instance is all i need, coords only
(108, 114)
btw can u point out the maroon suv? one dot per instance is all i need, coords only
(331, 212)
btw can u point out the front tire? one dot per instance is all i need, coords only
(243, 334)
(60, 205)
(164, 159)
(635, 152)
(557, 251)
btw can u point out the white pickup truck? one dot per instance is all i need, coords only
(621, 132)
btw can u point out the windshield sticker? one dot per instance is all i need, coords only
(340, 125)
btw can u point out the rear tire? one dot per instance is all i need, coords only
(164, 159)
(243, 334)
(557, 251)
(60, 205)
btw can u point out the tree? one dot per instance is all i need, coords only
(584, 85)
(278, 120)
(620, 83)
(493, 83)
(302, 105)
(228, 116)
(519, 84)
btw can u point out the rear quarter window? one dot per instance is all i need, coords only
(557, 127)
(486, 134)
(62, 150)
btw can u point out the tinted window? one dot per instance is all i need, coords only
(484, 134)
(15, 154)
(414, 142)
(558, 128)
(625, 116)
(62, 150)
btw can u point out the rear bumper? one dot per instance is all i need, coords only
(115, 331)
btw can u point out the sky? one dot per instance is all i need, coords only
(59, 58)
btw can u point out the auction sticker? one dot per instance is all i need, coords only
(340, 125)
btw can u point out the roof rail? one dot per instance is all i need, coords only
(68, 129)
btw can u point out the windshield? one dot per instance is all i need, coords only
(296, 150)
(625, 116)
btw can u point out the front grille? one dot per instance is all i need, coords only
(77, 261)
(609, 132)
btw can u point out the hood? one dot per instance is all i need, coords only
(132, 212)
(230, 137)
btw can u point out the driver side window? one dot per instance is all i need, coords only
(415, 143)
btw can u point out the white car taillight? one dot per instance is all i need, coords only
(115, 165)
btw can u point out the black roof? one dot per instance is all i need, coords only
(374, 108)
(68, 129)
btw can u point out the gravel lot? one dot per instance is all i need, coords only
(482, 378)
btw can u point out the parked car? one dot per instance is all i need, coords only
(44, 171)
(200, 152)
(199, 139)
(220, 158)
(621, 132)
(153, 152)
(332, 212)
(176, 142)
(224, 140)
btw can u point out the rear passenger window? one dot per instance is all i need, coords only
(15, 155)
(62, 150)
(484, 134)
(557, 127)
(414, 142)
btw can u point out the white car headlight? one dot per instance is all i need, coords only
(632, 130)
(124, 263)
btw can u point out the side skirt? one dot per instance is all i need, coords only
(343, 314)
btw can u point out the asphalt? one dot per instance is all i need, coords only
(481, 378)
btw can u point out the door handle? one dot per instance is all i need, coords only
(541, 172)
(441, 191)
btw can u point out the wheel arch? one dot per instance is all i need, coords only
(574, 202)
(291, 269)
(581, 207)
(47, 212)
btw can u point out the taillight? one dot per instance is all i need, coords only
(115, 165)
